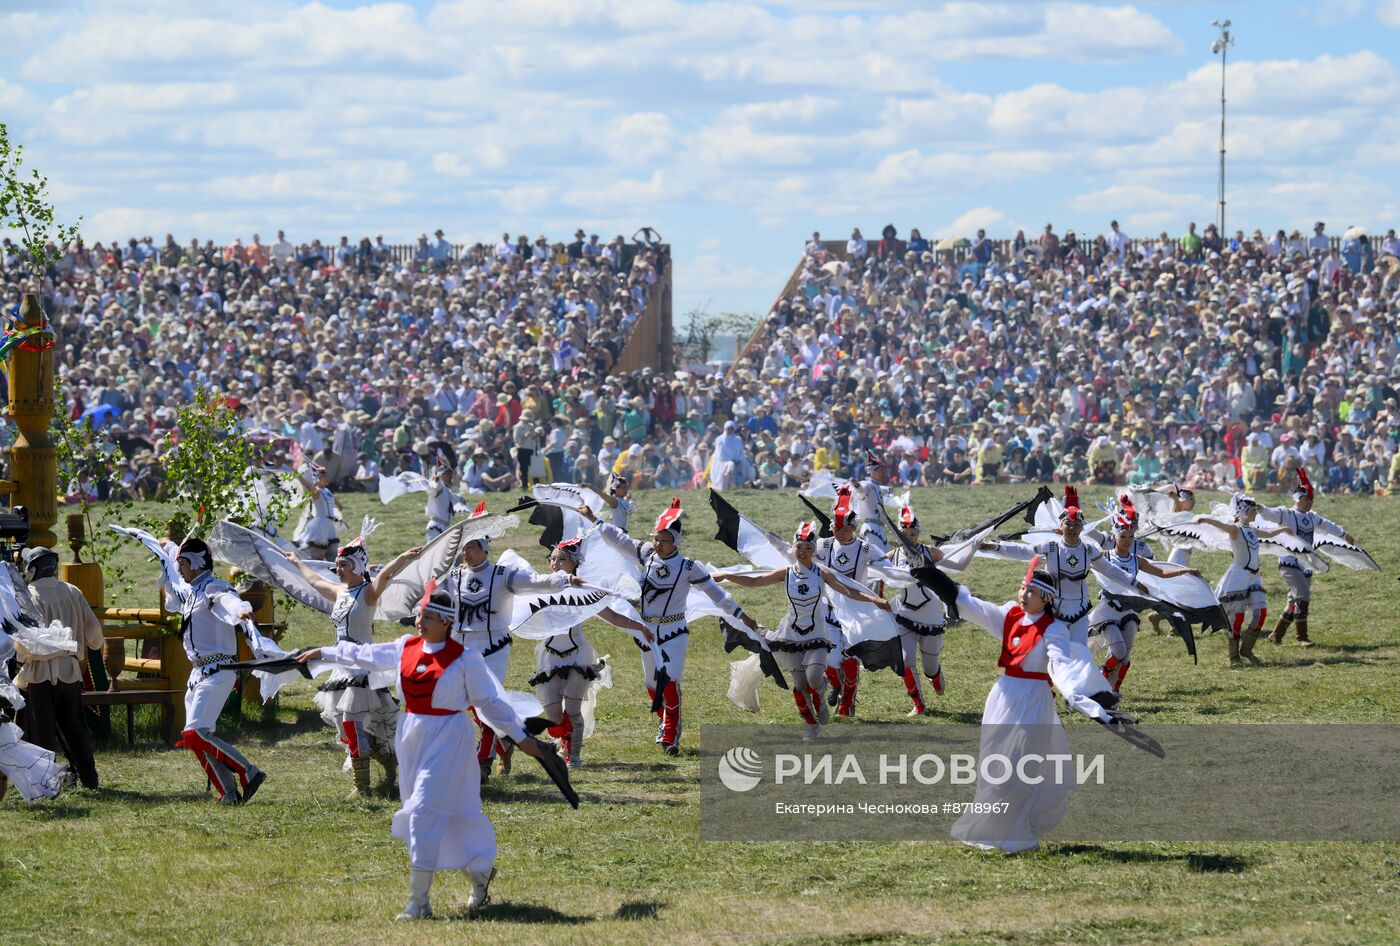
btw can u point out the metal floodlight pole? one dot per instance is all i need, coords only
(1222, 46)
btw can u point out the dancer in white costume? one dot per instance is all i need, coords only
(364, 716)
(566, 664)
(1306, 525)
(849, 556)
(1019, 717)
(441, 820)
(210, 615)
(1119, 627)
(442, 501)
(1240, 591)
(800, 644)
(1069, 560)
(667, 579)
(920, 616)
(317, 532)
(617, 498)
(484, 592)
(870, 499)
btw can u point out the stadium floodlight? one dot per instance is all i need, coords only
(1220, 47)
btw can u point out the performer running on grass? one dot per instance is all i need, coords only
(484, 593)
(849, 556)
(210, 613)
(616, 497)
(1118, 627)
(1240, 592)
(317, 531)
(363, 717)
(442, 501)
(441, 820)
(1305, 524)
(668, 578)
(920, 616)
(566, 664)
(800, 643)
(1068, 559)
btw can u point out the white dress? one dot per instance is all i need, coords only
(1239, 589)
(441, 820)
(318, 522)
(356, 694)
(1019, 718)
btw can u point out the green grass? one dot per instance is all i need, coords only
(150, 859)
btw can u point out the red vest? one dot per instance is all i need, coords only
(1018, 640)
(419, 672)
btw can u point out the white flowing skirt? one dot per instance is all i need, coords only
(1019, 718)
(441, 820)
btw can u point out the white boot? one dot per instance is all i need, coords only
(418, 907)
(481, 883)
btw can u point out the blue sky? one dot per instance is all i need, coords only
(734, 128)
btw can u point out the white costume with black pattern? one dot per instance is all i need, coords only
(363, 716)
(922, 619)
(1240, 591)
(1305, 525)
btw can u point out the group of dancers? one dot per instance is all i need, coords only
(405, 703)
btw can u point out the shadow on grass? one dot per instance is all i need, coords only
(1194, 861)
(524, 913)
(639, 910)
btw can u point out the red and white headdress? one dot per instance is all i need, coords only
(1304, 489)
(437, 602)
(670, 520)
(842, 514)
(1071, 511)
(483, 540)
(907, 519)
(356, 554)
(572, 548)
(1039, 579)
(355, 551)
(806, 532)
(872, 460)
(1125, 519)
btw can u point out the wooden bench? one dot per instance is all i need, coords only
(131, 699)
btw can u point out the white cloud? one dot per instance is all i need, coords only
(1388, 12)
(741, 121)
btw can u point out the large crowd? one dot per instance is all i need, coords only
(1212, 363)
(1204, 361)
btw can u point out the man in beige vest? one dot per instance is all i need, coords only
(53, 685)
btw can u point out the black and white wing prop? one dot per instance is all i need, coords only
(1344, 553)
(1200, 536)
(961, 547)
(1182, 600)
(606, 566)
(401, 484)
(170, 575)
(761, 547)
(554, 508)
(568, 496)
(258, 556)
(404, 591)
(541, 615)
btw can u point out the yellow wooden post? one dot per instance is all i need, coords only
(32, 463)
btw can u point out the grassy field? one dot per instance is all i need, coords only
(149, 859)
